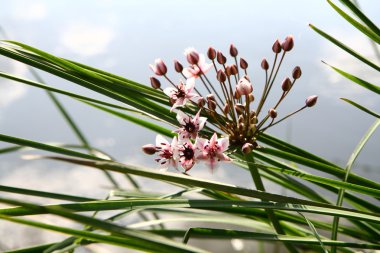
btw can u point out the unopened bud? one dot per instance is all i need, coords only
(247, 148)
(233, 50)
(241, 119)
(244, 86)
(237, 95)
(297, 72)
(221, 58)
(286, 84)
(155, 83)
(239, 108)
(211, 97)
(201, 102)
(276, 47)
(264, 64)
(149, 149)
(288, 43)
(178, 66)
(226, 109)
(311, 101)
(228, 71)
(234, 69)
(272, 113)
(251, 98)
(221, 76)
(211, 53)
(243, 63)
(211, 105)
(159, 67)
(192, 56)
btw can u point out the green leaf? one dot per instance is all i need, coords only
(345, 48)
(360, 107)
(371, 34)
(357, 80)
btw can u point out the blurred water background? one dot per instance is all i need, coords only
(123, 37)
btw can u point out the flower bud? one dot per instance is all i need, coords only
(244, 86)
(276, 47)
(234, 69)
(241, 120)
(221, 58)
(243, 63)
(149, 149)
(251, 98)
(201, 102)
(286, 84)
(247, 148)
(159, 67)
(211, 53)
(272, 113)
(311, 101)
(211, 104)
(155, 83)
(239, 108)
(192, 55)
(297, 72)
(237, 95)
(211, 97)
(228, 71)
(178, 66)
(221, 76)
(233, 50)
(288, 43)
(226, 109)
(264, 64)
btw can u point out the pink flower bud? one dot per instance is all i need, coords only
(244, 86)
(159, 67)
(149, 149)
(192, 55)
(288, 43)
(178, 66)
(297, 72)
(247, 148)
(311, 101)
(228, 71)
(226, 109)
(276, 47)
(211, 53)
(251, 98)
(286, 84)
(239, 108)
(221, 58)
(155, 83)
(264, 64)
(221, 76)
(201, 102)
(243, 63)
(211, 104)
(210, 97)
(233, 50)
(234, 69)
(272, 113)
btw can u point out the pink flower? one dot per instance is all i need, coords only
(198, 69)
(212, 150)
(192, 55)
(181, 94)
(190, 126)
(159, 67)
(167, 152)
(187, 155)
(244, 86)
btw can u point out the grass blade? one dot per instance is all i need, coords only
(360, 107)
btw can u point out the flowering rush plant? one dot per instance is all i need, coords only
(231, 101)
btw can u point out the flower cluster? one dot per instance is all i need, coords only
(231, 105)
(188, 148)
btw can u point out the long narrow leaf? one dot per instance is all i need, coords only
(360, 107)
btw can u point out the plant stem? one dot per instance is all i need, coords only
(260, 186)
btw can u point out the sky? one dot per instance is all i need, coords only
(124, 37)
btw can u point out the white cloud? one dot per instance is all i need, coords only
(29, 10)
(11, 91)
(338, 85)
(86, 39)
